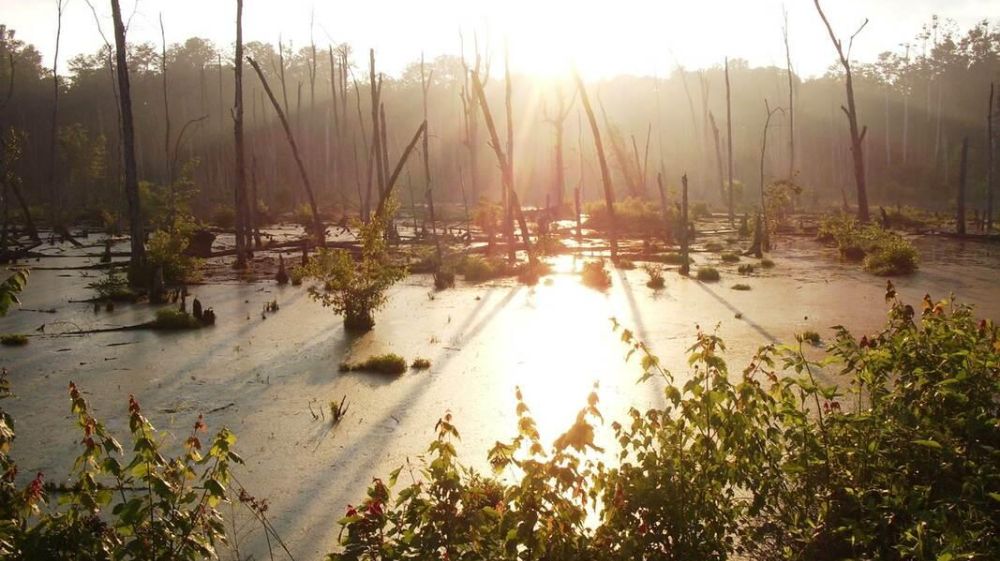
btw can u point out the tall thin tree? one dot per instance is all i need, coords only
(241, 172)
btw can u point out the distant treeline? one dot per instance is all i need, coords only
(918, 102)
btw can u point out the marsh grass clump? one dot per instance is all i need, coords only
(171, 319)
(297, 274)
(655, 272)
(893, 256)
(625, 265)
(632, 216)
(529, 273)
(420, 364)
(389, 363)
(811, 337)
(708, 274)
(745, 269)
(595, 275)
(475, 268)
(767, 263)
(338, 409)
(13, 339)
(741, 287)
(714, 247)
(444, 279)
(729, 257)
(670, 258)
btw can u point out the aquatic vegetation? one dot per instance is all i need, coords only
(595, 275)
(745, 269)
(529, 273)
(669, 258)
(729, 257)
(740, 286)
(224, 217)
(656, 280)
(13, 339)
(356, 290)
(173, 319)
(420, 364)
(114, 287)
(389, 363)
(166, 251)
(714, 247)
(338, 410)
(443, 279)
(707, 274)
(475, 268)
(776, 464)
(633, 216)
(883, 253)
(767, 263)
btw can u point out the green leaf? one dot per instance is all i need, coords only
(928, 443)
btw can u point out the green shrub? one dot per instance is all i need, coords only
(595, 275)
(114, 286)
(741, 286)
(356, 290)
(13, 339)
(529, 273)
(389, 363)
(173, 319)
(420, 364)
(297, 273)
(728, 257)
(893, 256)
(707, 274)
(883, 252)
(632, 216)
(165, 250)
(480, 269)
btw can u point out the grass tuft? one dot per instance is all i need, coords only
(389, 363)
(14, 339)
(708, 274)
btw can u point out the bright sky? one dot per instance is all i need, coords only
(603, 37)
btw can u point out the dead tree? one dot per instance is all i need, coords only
(425, 86)
(14, 186)
(763, 152)
(241, 174)
(55, 204)
(668, 236)
(962, 177)
(509, 191)
(990, 162)
(376, 92)
(791, 101)
(557, 120)
(137, 258)
(685, 242)
(506, 170)
(851, 111)
(470, 115)
(729, 148)
(718, 156)
(383, 202)
(318, 229)
(609, 192)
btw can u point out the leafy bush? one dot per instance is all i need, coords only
(479, 269)
(655, 273)
(146, 506)
(707, 274)
(766, 462)
(389, 363)
(596, 275)
(13, 339)
(883, 252)
(356, 290)
(165, 250)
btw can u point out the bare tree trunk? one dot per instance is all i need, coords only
(729, 148)
(668, 236)
(425, 85)
(505, 167)
(990, 163)
(241, 178)
(851, 111)
(791, 101)
(509, 191)
(763, 151)
(376, 91)
(685, 261)
(718, 156)
(963, 175)
(558, 121)
(55, 200)
(137, 258)
(387, 193)
(318, 229)
(609, 194)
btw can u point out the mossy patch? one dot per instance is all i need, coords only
(389, 363)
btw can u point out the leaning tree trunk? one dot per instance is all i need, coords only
(609, 192)
(137, 259)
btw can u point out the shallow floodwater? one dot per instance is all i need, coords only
(259, 376)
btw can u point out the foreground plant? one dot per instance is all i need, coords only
(356, 290)
(772, 462)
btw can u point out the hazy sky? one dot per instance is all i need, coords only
(545, 36)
